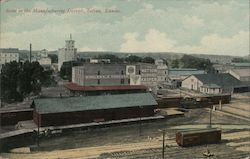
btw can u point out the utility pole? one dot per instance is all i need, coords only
(163, 144)
(210, 117)
(140, 108)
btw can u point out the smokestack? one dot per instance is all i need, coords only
(30, 52)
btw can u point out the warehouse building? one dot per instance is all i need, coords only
(211, 83)
(76, 110)
(105, 74)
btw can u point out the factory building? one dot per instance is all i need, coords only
(162, 72)
(76, 110)
(105, 74)
(68, 53)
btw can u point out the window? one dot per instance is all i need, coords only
(98, 72)
(98, 81)
(122, 72)
(139, 72)
(128, 81)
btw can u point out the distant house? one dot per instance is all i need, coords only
(211, 83)
(9, 55)
(176, 75)
(241, 74)
(224, 68)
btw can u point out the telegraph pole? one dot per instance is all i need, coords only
(210, 117)
(163, 144)
(140, 108)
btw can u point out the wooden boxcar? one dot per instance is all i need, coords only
(198, 137)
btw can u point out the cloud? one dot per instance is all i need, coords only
(192, 22)
(237, 44)
(154, 41)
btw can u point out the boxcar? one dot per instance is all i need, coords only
(198, 137)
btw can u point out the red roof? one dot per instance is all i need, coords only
(76, 87)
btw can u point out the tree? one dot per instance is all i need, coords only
(175, 63)
(21, 79)
(133, 59)
(198, 63)
(66, 69)
(54, 58)
(148, 60)
(10, 74)
(239, 60)
(113, 58)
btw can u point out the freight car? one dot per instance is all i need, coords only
(198, 137)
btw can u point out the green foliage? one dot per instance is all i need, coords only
(66, 70)
(239, 60)
(133, 59)
(113, 58)
(148, 60)
(21, 79)
(129, 59)
(198, 63)
(53, 57)
(175, 63)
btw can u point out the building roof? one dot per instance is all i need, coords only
(184, 71)
(76, 87)
(73, 104)
(9, 50)
(192, 131)
(241, 64)
(222, 79)
(244, 72)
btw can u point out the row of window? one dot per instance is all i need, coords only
(122, 81)
(10, 55)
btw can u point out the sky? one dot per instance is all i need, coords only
(193, 26)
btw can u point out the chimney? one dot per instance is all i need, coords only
(30, 51)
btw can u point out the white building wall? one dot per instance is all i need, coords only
(210, 90)
(162, 71)
(234, 74)
(74, 75)
(67, 54)
(6, 57)
(191, 83)
(45, 61)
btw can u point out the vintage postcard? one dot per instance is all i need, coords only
(124, 79)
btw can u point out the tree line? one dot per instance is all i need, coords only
(19, 80)
(188, 61)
